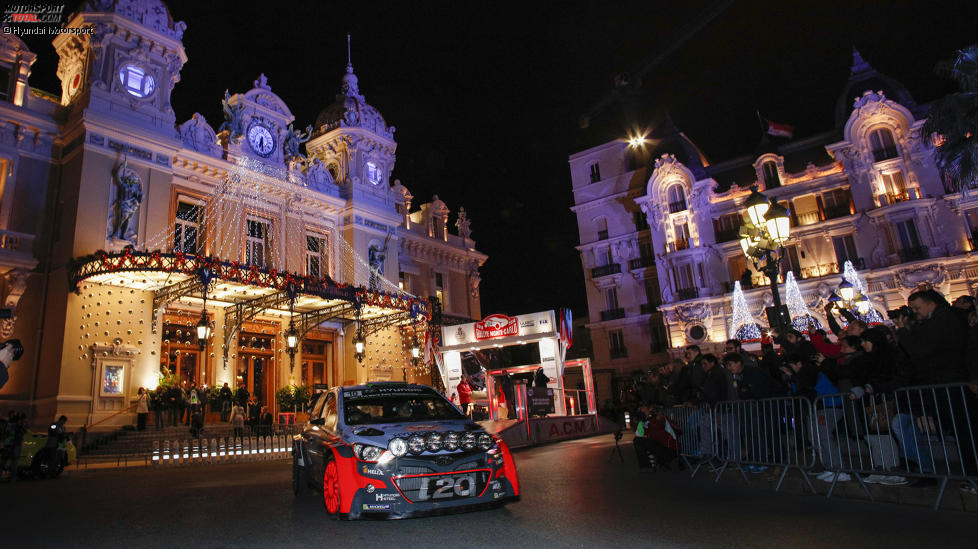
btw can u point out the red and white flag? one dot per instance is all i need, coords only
(779, 130)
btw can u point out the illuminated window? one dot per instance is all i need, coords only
(595, 172)
(136, 81)
(682, 236)
(186, 227)
(769, 170)
(316, 256)
(440, 288)
(882, 143)
(677, 199)
(257, 242)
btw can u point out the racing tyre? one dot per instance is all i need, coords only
(297, 475)
(331, 487)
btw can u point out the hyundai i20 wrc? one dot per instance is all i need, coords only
(398, 450)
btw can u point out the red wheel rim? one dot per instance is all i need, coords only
(331, 487)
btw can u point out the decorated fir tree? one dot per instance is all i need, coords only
(743, 326)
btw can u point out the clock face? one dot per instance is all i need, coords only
(261, 140)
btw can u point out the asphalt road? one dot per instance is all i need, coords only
(572, 497)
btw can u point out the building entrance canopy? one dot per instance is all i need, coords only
(245, 292)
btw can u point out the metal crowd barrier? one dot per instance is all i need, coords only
(771, 432)
(221, 450)
(924, 432)
(692, 422)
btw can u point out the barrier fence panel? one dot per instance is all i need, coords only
(220, 450)
(923, 431)
(695, 424)
(771, 432)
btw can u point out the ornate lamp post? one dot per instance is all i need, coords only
(848, 297)
(415, 350)
(359, 342)
(762, 239)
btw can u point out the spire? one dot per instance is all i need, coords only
(859, 64)
(349, 87)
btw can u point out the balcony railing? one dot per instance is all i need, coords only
(808, 218)
(19, 243)
(914, 254)
(645, 261)
(603, 235)
(676, 207)
(902, 196)
(605, 270)
(688, 293)
(619, 353)
(612, 314)
(680, 245)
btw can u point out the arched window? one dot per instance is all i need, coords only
(882, 143)
(602, 224)
(769, 170)
(677, 198)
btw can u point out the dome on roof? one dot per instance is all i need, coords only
(350, 110)
(863, 77)
(149, 13)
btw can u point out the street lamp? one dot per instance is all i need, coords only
(762, 239)
(203, 325)
(415, 350)
(359, 344)
(291, 343)
(849, 297)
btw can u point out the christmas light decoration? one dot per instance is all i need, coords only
(800, 315)
(871, 315)
(743, 326)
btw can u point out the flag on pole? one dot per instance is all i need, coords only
(779, 130)
(566, 334)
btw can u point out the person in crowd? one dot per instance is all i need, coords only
(242, 396)
(465, 396)
(854, 327)
(254, 413)
(57, 437)
(717, 387)
(662, 435)
(821, 342)
(851, 367)
(641, 442)
(174, 404)
(509, 392)
(935, 341)
(733, 346)
(193, 401)
(770, 360)
(265, 421)
(753, 384)
(156, 405)
(694, 362)
(677, 387)
(238, 419)
(800, 376)
(12, 444)
(794, 342)
(196, 412)
(225, 398)
(142, 409)
(962, 306)
(540, 379)
(8, 354)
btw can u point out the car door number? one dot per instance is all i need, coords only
(447, 487)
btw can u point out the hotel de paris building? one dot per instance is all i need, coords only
(122, 229)
(659, 226)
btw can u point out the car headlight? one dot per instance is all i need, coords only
(468, 441)
(485, 441)
(365, 452)
(450, 441)
(416, 444)
(398, 446)
(433, 442)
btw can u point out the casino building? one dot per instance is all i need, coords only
(124, 232)
(659, 225)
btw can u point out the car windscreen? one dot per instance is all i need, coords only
(396, 408)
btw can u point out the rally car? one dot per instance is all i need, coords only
(398, 450)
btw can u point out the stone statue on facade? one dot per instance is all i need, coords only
(125, 208)
(233, 119)
(462, 223)
(376, 255)
(294, 138)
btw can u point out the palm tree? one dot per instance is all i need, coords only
(953, 120)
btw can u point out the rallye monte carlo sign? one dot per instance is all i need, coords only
(499, 326)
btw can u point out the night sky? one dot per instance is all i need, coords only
(487, 96)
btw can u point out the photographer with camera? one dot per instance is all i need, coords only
(11, 351)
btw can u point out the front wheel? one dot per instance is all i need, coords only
(331, 488)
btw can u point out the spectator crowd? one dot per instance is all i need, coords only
(929, 342)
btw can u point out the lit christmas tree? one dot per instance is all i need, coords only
(849, 273)
(800, 315)
(744, 327)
